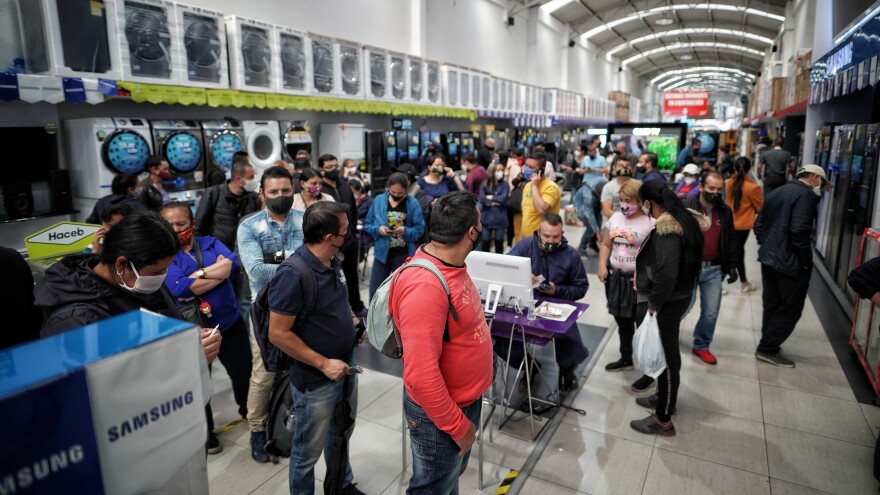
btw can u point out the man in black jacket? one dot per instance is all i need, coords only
(338, 188)
(486, 155)
(719, 258)
(783, 229)
(222, 206)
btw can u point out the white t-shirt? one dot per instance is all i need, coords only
(627, 237)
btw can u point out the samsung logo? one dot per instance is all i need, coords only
(840, 59)
(143, 419)
(41, 469)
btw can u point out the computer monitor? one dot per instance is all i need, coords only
(513, 274)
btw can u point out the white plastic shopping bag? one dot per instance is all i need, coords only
(647, 348)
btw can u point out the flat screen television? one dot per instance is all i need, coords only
(29, 154)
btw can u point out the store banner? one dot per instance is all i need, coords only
(74, 90)
(8, 87)
(690, 103)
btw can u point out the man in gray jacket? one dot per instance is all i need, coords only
(783, 229)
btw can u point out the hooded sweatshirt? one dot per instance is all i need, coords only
(72, 295)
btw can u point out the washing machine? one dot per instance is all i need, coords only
(180, 142)
(263, 143)
(223, 138)
(100, 148)
(297, 136)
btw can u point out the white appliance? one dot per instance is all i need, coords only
(181, 143)
(342, 141)
(464, 88)
(398, 77)
(294, 63)
(450, 76)
(263, 143)
(349, 73)
(202, 41)
(252, 51)
(324, 69)
(297, 136)
(434, 87)
(223, 138)
(376, 73)
(100, 148)
(149, 48)
(485, 91)
(417, 83)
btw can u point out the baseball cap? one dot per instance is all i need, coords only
(816, 170)
(691, 169)
(406, 168)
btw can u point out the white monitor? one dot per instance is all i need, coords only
(512, 273)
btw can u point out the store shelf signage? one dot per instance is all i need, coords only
(861, 45)
(690, 103)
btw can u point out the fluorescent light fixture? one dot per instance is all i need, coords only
(686, 56)
(691, 70)
(687, 31)
(697, 44)
(671, 8)
(554, 5)
(664, 21)
(867, 16)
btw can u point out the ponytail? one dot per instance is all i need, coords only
(742, 165)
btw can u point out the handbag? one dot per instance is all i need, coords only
(620, 294)
(192, 310)
(514, 201)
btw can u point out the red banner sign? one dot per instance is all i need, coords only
(690, 103)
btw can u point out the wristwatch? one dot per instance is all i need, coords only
(201, 273)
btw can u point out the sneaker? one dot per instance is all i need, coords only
(642, 383)
(746, 288)
(258, 446)
(213, 444)
(650, 402)
(706, 355)
(652, 426)
(352, 489)
(724, 292)
(775, 359)
(619, 365)
(568, 380)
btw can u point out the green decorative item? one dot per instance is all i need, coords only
(666, 149)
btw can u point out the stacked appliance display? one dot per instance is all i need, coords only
(450, 78)
(100, 148)
(252, 54)
(223, 138)
(350, 82)
(297, 137)
(343, 141)
(294, 63)
(262, 143)
(376, 73)
(398, 77)
(417, 80)
(180, 142)
(433, 78)
(324, 69)
(149, 42)
(464, 88)
(202, 38)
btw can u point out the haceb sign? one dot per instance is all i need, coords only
(60, 239)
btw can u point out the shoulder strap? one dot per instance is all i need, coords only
(198, 252)
(431, 267)
(309, 286)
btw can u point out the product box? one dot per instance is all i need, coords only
(252, 54)
(70, 38)
(349, 71)
(620, 98)
(323, 65)
(417, 79)
(294, 63)
(485, 90)
(464, 88)
(450, 78)
(433, 80)
(376, 73)
(201, 40)
(149, 42)
(398, 77)
(115, 407)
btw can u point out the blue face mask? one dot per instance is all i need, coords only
(527, 173)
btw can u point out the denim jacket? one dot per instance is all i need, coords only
(259, 235)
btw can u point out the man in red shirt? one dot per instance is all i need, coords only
(447, 362)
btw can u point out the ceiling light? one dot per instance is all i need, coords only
(686, 56)
(690, 31)
(663, 21)
(697, 44)
(554, 5)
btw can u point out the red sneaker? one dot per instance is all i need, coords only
(706, 355)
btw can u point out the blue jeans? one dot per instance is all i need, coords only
(710, 302)
(497, 234)
(586, 203)
(381, 271)
(314, 431)
(436, 463)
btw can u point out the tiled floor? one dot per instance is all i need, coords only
(744, 427)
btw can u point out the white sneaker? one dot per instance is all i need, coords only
(724, 292)
(749, 288)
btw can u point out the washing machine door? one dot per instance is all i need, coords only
(263, 147)
(125, 152)
(183, 151)
(222, 146)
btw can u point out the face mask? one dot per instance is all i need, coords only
(138, 191)
(628, 209)
(346, 241)
(550, 247)
(641, 169)
(280, 205)
(646, 208)
(143, 285)
(252, 185)
(817, 190)
(624, 172)
(185, 236)
(438, 171)
(527, 173)
(315, 191)
(331, 174)
(357, 197)
(577, 154)
(499, 175)
(477, 240)
(396, 197)
(689, 180)
(165, 175)
(712, 198)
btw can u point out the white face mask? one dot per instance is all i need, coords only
(499, 175)
(146, 284)
(689, 180)
(252, 185)
(817, 190)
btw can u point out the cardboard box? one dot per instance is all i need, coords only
(620, 98)
(778, 99)
(202, 41)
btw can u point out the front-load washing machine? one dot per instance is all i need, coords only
(180, 142)
(297, 137)
(263, 143)
(223, 138)
(100, 148)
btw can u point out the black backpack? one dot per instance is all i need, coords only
(274, 359)
(282, 420)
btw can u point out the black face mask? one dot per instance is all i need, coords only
(550, 247)
(280, 205)
(641, 169)
(712, 198)
(477, 240)
(346, 241)
(397, 198)
(624, 172)
(331, 174)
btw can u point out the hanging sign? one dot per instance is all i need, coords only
(690, 103)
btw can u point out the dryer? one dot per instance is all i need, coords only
(223, 138)
(263, 143)
(100, 148)
(180, 142)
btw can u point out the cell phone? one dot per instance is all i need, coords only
(544, 286)
(355, 370)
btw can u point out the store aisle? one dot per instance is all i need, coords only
(744, 427)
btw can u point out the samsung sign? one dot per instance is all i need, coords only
(857, 46)
(840, 59)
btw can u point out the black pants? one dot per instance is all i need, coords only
(235, 355)
(669, 320)
(783, 297)
(739, 239)
(510, 228)
(350, 269)
(626, 331)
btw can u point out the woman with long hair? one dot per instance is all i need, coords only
(494, 192)
(667, 268)
(624, 235)
(745, 198)
(311, 184)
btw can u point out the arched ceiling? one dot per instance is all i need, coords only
(727, 33)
